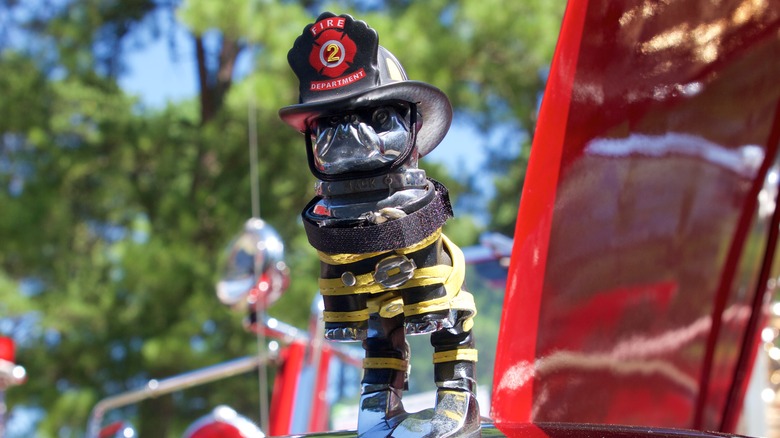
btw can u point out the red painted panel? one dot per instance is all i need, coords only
(513, 383)
(285, 388)
(638, 247)
(319, 407)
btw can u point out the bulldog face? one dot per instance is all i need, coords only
(362, 139)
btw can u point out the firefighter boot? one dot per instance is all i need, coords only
(456, 413)
(385, 377)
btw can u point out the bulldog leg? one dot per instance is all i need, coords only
(385, 376)
(456, 413)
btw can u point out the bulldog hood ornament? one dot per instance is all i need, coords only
(387, 271)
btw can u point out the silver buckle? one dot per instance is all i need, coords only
(394, 271)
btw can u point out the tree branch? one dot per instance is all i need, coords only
(206, 104)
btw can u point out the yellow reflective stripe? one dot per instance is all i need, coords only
(463, 301)
(450, 276)
(365, 284)
(335, 286)
(354, 316)
(468, 324)
(469, 354)
(375, 302)
(391, 308)
(345, 259)
(385, 362)
(452, 284)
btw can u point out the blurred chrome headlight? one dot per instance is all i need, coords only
(254, 271)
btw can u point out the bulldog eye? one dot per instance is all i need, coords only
(380, 116)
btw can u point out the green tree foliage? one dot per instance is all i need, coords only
(490, 57)
(114, 215)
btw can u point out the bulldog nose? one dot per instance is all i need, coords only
(346, 119)
(346, 132)
(342, 130)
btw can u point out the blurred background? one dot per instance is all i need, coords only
(124, 172)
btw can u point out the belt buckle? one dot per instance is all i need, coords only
(394, 271)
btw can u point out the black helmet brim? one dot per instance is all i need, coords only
(432, 104)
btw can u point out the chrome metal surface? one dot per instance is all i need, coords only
(394, 271)
(254, 265)
(456, 415)
(348, 279)
(355, 142)
(155, 388)
(345, 334)
(380, 411)
(351, 207)
(410, 178)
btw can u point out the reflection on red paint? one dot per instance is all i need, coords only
(638, 247)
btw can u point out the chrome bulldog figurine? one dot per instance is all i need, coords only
(387, 270)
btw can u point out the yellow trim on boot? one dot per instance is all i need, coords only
(354, 316)
(385, 363)
(469, 354)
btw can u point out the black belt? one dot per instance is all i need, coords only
(365, 237)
